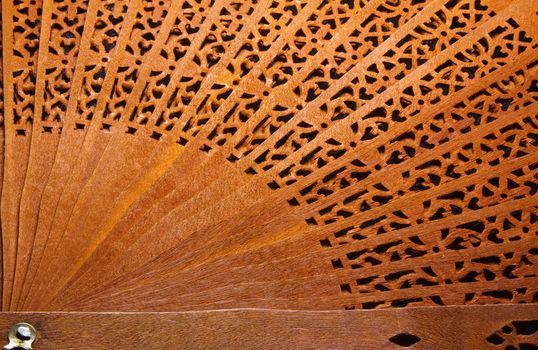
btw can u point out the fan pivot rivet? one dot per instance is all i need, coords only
(21, 336)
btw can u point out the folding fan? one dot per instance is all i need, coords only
(201, 154)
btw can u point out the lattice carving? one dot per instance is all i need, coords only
(104, 36)
(505, 96)
(515, 335)
(25, 18)
(486, 152)
(288, 154)
(1, 86)
(186, 68)
(259, 40)
(66, 29)
(172, 54)
(402, 58)
(142, 36)
(513, 185)
(489, 231)
(448, 77)
(293, 57)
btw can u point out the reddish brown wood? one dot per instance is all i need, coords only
(2, 134)
(311, 155)
(20, 43)
(483, 327)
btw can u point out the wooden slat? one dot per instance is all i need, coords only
(431, 327)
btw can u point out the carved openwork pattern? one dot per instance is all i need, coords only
(1, 81)
(489, 231)
(434, 173)
(410, 52)
(267, 30)
(514, 138)
(353, 154)
(449, 77)
(503, 97)
(104, 35)
(505, 123)
(189, 63)
(324, 17)
(467, 197)
(478, 269)
(515, 335)
(66, 29)
(142, 36)
(26, 19)
(171, 57)
(304, 44)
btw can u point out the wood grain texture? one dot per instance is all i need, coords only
(419, 328)
(190, 155)
(21, 24)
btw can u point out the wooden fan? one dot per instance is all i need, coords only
(282, 154)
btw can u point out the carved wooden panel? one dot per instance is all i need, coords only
(307, 155)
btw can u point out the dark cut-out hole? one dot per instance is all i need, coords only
(527, 346)
(156, 135)
(405, 339)
(495, 339)
(526, 327)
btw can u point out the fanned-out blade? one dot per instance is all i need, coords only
(166, 46)
(21, 24)
(98, 46)
(166, 80)
(62, 29)
(2, 136)
(315, 155)
(251, 215)
(278, 58)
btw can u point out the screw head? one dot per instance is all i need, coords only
(21, 336)
(24, 332)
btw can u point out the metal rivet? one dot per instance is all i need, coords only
(21, 336)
